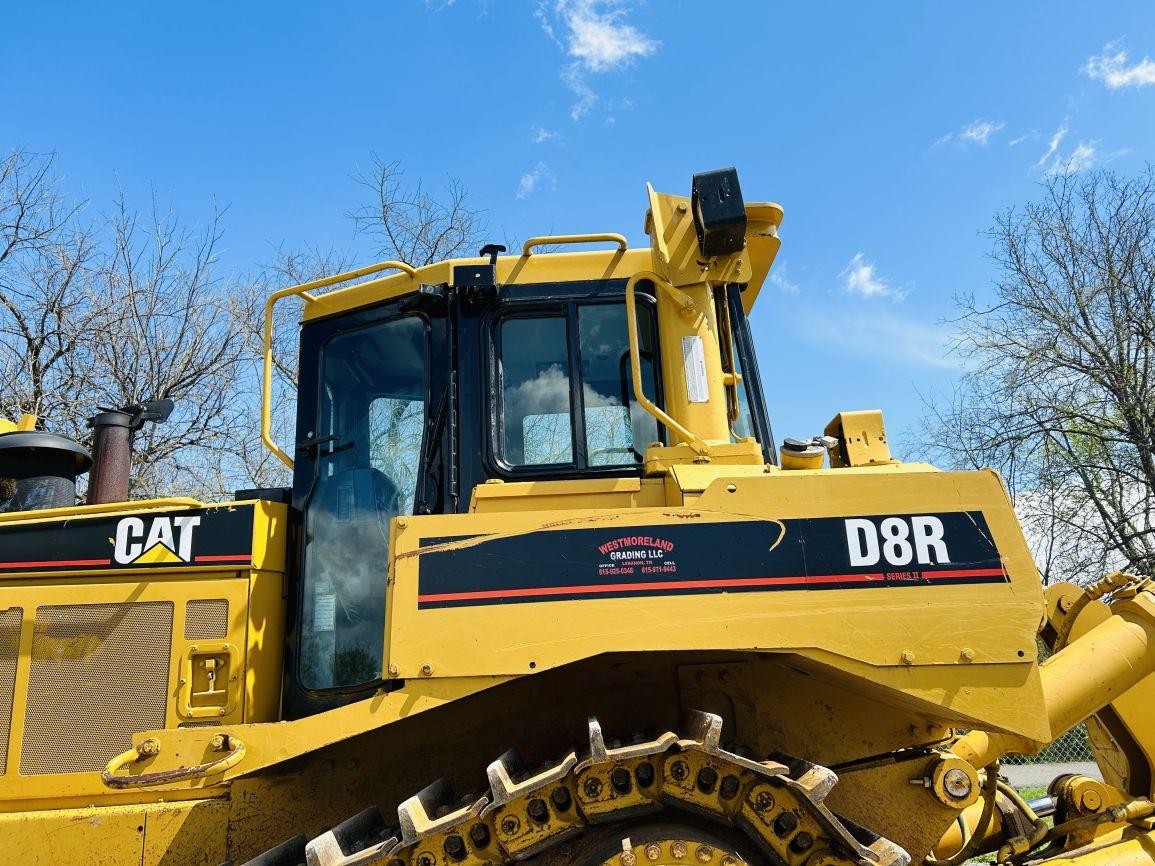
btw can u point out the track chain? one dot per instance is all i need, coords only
(777, 803)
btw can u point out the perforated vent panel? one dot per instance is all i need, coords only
(206, 619)
(99, 674)
(9, 654)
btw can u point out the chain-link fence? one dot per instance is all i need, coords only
(1072, 747)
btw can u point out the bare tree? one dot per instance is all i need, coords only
(110, 312)
(1059, 392)
(402, 222)
(408, 223)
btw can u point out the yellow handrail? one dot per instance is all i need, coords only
(303, 290)
(685, 302)
(620, 240)
(150, 747)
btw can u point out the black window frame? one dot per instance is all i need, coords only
(751, 379)
(566, 308)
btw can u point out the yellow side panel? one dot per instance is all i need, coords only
(967, 647)
(116, 835)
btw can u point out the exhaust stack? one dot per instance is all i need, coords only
(112, 431)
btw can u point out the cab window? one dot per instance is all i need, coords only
(372, 417)
(566, 398)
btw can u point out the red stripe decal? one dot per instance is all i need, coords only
(55, 563)
(697, 584)
(243, 558)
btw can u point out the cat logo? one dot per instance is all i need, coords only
(163, 540)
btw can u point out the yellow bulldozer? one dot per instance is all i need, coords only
(544, 589)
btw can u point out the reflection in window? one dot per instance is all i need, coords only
(617, 428)
(535, 392)
(372, 416)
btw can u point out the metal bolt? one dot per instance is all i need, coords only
(620, 780)
(592, 786)
(561, 798)
(183, 681)
(454, 847)
(678, 849)
(707, 778)
(222, 712)
(427, 670)
(704, 853)
(425, 859)
(148, 747)
(402, 522)
(786, 823)
(957, 783)
(679, 770)
(510, 825)
(653, 852)
(394, 670)
(218, 743)
(801, 842)
(729, 788)
(537, 810)
(682, 207)
(764, 801)
(731, 488)
(645, 774)
(479, 833)
(729, 860)
(967, 655)
(629, 858)
(907, 657)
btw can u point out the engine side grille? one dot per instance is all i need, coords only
(206, 619)
(10, 621)
(99, 674)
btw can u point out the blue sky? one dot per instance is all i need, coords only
(890, 133)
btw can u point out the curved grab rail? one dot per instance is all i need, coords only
(303, 291)
(620, 240)
(150, 747)
(685, 304)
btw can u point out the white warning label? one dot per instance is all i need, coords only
(694, 359)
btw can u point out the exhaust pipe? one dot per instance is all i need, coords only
(112, 432)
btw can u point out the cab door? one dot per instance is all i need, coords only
(368, 451)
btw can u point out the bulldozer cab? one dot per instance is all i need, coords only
(407, 405)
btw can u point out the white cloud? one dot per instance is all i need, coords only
(780, 280)
(980, 131)
(597, 38)
(575, 80)
(1112, 69)
(1019, 139)
(860, 278)
(1052, 146)
(878, 333)
(541, 135)
(976, 132)
(542, 175)
(1085, 154)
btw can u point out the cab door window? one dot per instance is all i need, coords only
(372, 417)
(566, 390)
